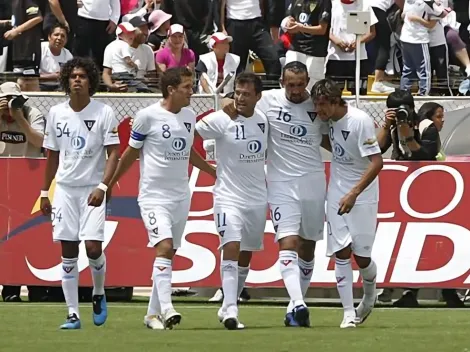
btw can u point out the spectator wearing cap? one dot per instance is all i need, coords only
(245, 24)
(53, 55)
(124, 62)
(96, 24)
(217, 64)
(174, 54)
(159, 26)
(21, 126)
(64, 12)
(25, 34)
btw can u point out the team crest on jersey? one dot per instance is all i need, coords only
(345, 134)
(89, 124)
(188, 126)
(262, 126)
(312, 115)
(222, 233)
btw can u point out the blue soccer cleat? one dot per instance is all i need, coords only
(71, 323)
(289, 320)
(302, 316)
(100, 310)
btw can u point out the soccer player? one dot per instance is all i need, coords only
(162, 137)
(79, 134)
(296, 182)
(240, 197)
(352, 200)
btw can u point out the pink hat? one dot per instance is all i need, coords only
(125, 27)
(175, 28)
(219, 37)
(157, 18)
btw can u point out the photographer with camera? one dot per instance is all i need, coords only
(401, 130)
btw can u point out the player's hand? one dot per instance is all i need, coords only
(11, 34)
(46, 207)
(296, 28)
(3, 104)
(131, 122)
(231, 110)
(95, 199)
(390, 117)
(347, 203)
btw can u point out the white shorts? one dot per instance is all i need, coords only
(298, 206)
(73, 219)
(356, 228)
(315, 65)
(164, 221)
(241, 224)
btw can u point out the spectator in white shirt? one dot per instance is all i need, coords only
(53, 55)
(415, 43)
(341, 61)
(217, 64)
(96, 25)
(116, 75)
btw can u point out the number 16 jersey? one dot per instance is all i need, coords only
(295, 135)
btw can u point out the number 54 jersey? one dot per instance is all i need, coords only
(295, 136)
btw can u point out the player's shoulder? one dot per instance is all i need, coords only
(59, 109)
(101, 110)
(259, 116)
(357, 115)
(188, 113)
(272, 93)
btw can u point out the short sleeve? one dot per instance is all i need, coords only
(50, 137)
(325, 13)
(108, 56)
(111, 134)
(213, 126)
(367, 140)
(191, 56)
(36, 120)
(201, 67)
(161, 57)
(150, 60)
(68, 55)
(139, 131)
(32, 9)
(373, 18)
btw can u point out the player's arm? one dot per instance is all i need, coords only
(369, 148)
(198, 161)
(136, 142)
(52, 163)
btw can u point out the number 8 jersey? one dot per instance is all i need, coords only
(295, 135)
(165, 140)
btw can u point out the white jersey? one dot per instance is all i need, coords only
(352, 140)
(240, 147)
(165, 140)
(412, 31)
(295, 135)
(81, 138)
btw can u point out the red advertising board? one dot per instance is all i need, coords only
(422, 232)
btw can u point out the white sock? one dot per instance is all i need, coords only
(344, 283)
(229, 270)
(305, 272)
(98, 273)
(162, 282)
(70, 284)
(154, 303)
(242, 275)
(289, 266)
(369, 275)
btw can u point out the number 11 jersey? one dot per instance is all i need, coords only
(295, 135)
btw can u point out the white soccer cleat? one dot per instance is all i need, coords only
(218, 296)
(363, 311)
(154, 322)
(348, 322)
(171, 318)
(221, 314)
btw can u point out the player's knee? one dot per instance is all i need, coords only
(244, 259)
(93, 249)
(164, 249)
(306, 249)
(344, 253)
(70, 249)
(362, 262)
(289, 243)
(231, 250)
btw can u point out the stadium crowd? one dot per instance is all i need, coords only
(134, 40)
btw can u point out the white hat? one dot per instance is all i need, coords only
(125, 27)
(219, 37)
(11, 89)
(175, 28)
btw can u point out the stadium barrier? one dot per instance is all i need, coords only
(422, 236)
